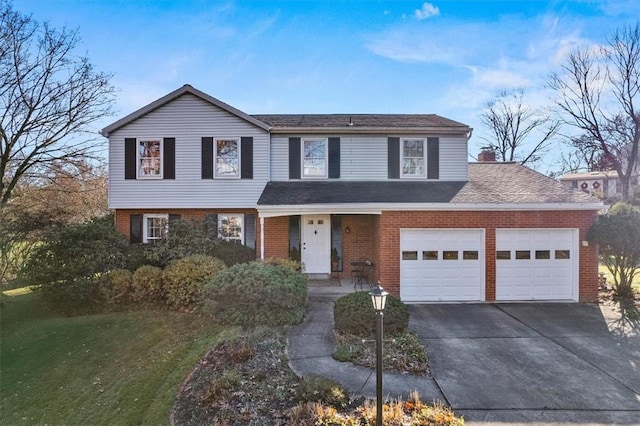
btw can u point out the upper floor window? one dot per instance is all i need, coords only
(227, 158)
(230, 227)
(315, 153)
(155, 227)
(149, 158)
(412, 157)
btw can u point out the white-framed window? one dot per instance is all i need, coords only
(155, 227)
(412, 158)
(315, 156)
(149, 157)
(226, 161)
(231, 227)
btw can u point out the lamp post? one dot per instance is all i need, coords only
(378, 298)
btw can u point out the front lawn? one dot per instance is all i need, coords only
(108, 369)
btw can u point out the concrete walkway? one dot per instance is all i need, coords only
(311, 345)
(496, 364)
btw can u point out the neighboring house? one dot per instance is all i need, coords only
(395, 189)
(605, 184)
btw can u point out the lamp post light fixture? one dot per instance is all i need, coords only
(379, 299)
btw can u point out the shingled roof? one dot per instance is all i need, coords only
(356, 121)
(489, 183)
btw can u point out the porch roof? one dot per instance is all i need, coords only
(490, 186)
(357, 192)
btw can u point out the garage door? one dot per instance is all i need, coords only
(441, 265)
(536, 264)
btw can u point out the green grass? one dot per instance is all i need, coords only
(105, 369)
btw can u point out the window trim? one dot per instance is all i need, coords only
(242, 227)
(325, 141)
(145, 229)
(424, 159)
(138, 168)
(238, 141)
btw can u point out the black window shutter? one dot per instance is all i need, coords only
(169, 160)
(393, 155)
(250, 230)
(207, 158)
(130, 158)
(334, 158)
(246, 158)
(433, 158)
(294, 158)
(211, 225)
(135, 228)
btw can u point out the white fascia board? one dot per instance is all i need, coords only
(288, 210)
(496, 206)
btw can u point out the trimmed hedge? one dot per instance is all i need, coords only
(114, 287)
(147, 284)
(354, 314)
(184, 279)
(257, 293)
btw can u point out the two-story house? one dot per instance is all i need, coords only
(395, 189)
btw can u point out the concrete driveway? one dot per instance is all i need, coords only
(533, 363)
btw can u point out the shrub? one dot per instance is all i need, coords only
(185, 278)
(323, 390)
(114, 287)
(71, 257)
(354, 314)
(187, 237)
(617, 232)
(294, 265)
(256, 293)
(232, 253)
(147, 284)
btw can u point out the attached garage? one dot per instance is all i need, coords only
(442, 265)
(536, 264)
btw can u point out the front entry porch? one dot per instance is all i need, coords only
(326, 244)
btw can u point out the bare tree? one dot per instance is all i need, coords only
(518, 132)
(598, 92)
(49, 98)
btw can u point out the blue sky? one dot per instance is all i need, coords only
(443, 57)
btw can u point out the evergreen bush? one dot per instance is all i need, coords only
(354, 314)
(257, 293)
(185, 278)
(114, 288)
(147, 285)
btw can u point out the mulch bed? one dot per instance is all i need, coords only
(231, 386)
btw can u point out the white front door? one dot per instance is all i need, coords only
(316, 244)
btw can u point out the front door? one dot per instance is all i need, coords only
(316, 244)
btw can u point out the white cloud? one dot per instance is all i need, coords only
(426, 11)
(498, 79)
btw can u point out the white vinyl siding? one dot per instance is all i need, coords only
(187, 119)
(365, 157)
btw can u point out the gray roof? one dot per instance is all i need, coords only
(311, 123)
(489, 183)
(357, 121)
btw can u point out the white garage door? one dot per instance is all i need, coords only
(539, 264)
(441, 265)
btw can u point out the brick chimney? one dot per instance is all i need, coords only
(487, 155)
